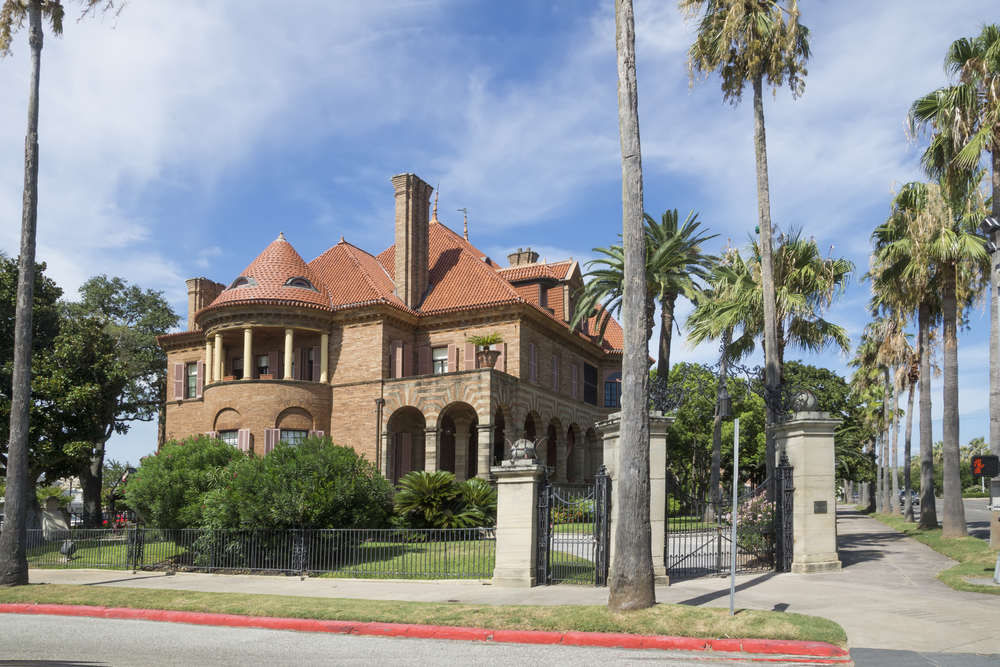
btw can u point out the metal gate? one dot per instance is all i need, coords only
(698, 540)
(573, 532)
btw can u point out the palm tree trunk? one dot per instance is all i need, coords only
(631, 581)
(767, 269)
(928, 510)
(727, 338)
(886, 436)
(995, 347)
(907, 451)
(13, 538)
(954, 511)
(878, 475)
(893, 462)
(667, 304)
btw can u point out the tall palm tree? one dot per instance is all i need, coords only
(748, 42)
(13, 540)
(677, 265)
(631, 582)
(603, 295)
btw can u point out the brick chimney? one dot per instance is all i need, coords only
(413, 200)
(201, 292)
(522, 257)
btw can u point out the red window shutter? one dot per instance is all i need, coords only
(317, 434)
(271, 436)
(317, 372)
(274, 365)
(424, 362)
(407, 360)
(470, 357)
(179, 381)
(404, 457)
(243, 439)
(297, 363)
(200, 384)
(452, 358)
(396, 359)
(502, 359)
(211, 434)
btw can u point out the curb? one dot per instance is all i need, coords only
(767, 649)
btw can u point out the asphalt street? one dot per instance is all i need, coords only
(977, 516)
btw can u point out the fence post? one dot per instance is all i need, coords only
(784, 534)
(602, 525)
(517, 543)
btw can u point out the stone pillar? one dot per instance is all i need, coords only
(517, 523)
(324, 357)
(485, 442)
(431, 450)
(248, 362)
(209, 366)
(461, 450)
(289, 351)
(995, 513)
(386, 443)
(807, 440)
(219, 356)
(658, 426)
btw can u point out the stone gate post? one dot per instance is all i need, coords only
(517, 527)
(807, 440)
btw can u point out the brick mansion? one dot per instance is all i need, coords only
(372, 350)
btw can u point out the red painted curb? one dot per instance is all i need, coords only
(597, 639)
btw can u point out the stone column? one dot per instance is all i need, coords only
(209, 366)
(324, 357)
(807, 441)
(461, 450)
(517, 523)
(658, 426)
(431, 450)
(486, 440)
(248, 362)
(995, 513)
(386, 444)
(219, 357)
(289, 351)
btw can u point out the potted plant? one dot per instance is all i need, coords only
(485, 356)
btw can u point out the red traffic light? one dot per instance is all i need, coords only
(985, 466)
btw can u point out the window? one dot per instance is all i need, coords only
(576, 373)
(293, 437)
(532, 362)
(439, 357)
(612, 390)
(262, 361)
(299, 281)
(589, 384)
(243, 281)
(192, 381)
(229, 437)
(238, 368)
(555, 372)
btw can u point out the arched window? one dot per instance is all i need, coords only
(299, 281)
(243, 281)
(612, 390)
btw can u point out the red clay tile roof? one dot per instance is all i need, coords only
(561, 269)
(354, 277)
(271, 270)
(528, 272)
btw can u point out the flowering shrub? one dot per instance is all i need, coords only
(580, 510)
(755, 527)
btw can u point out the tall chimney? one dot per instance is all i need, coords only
(413, 200)
(201, 292)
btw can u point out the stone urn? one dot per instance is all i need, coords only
(487, 358)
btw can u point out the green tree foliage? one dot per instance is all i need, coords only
(315, 483)
(168, 489)
(436, 500)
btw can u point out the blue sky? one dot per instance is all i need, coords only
(179, 139)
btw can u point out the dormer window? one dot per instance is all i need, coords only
(301, 282)
(243, 281)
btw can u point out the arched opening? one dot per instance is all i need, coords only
(551, 446)
(594, 448)
(294, 425)
(574, 471)
(405, 446)
(459, 440)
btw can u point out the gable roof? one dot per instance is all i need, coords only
(353, 277)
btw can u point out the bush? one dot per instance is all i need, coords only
(168, 488)
(435, 500)
(314, 482)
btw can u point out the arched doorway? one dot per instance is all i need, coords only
(405, 446)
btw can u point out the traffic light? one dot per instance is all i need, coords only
(985, 466)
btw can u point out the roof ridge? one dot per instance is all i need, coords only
(481, 265)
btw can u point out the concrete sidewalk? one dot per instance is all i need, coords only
(887, 596)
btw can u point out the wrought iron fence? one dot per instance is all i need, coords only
(461, 553)
(573, 533)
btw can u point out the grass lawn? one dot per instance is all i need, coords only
(974, 556)
(663, 619)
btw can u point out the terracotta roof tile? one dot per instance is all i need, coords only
(271, 271)
(561, 269)
(354, 277)
(529, 272)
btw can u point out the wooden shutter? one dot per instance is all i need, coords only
(297, 363)
(275, 367)
(179, 380)
(424, 362)
(502, 359)
(271, 436)
(407, 360)
(470, 357)
(405, 454)
(452, 358)
(396, 359)
(317, 357)
(318, 434)
(211, 434)
(200, 383)
(243, 439)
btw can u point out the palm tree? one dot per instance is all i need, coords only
(676, 264)
(602, 296)
(748, 42)
(13, 554)
(631, 582)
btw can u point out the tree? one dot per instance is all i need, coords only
(748, 42)
(677, 261)
(13, 553)
(133, 317)
(603, 295)
(631, 581)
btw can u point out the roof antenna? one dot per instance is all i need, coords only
(434, 215)
(466, 223)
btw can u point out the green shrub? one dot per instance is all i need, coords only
(435, 500)
(168, 488)
(314, 482)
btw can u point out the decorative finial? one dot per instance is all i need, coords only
(341, 239)
(465, 222)
(281, 236)
(434, 215)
